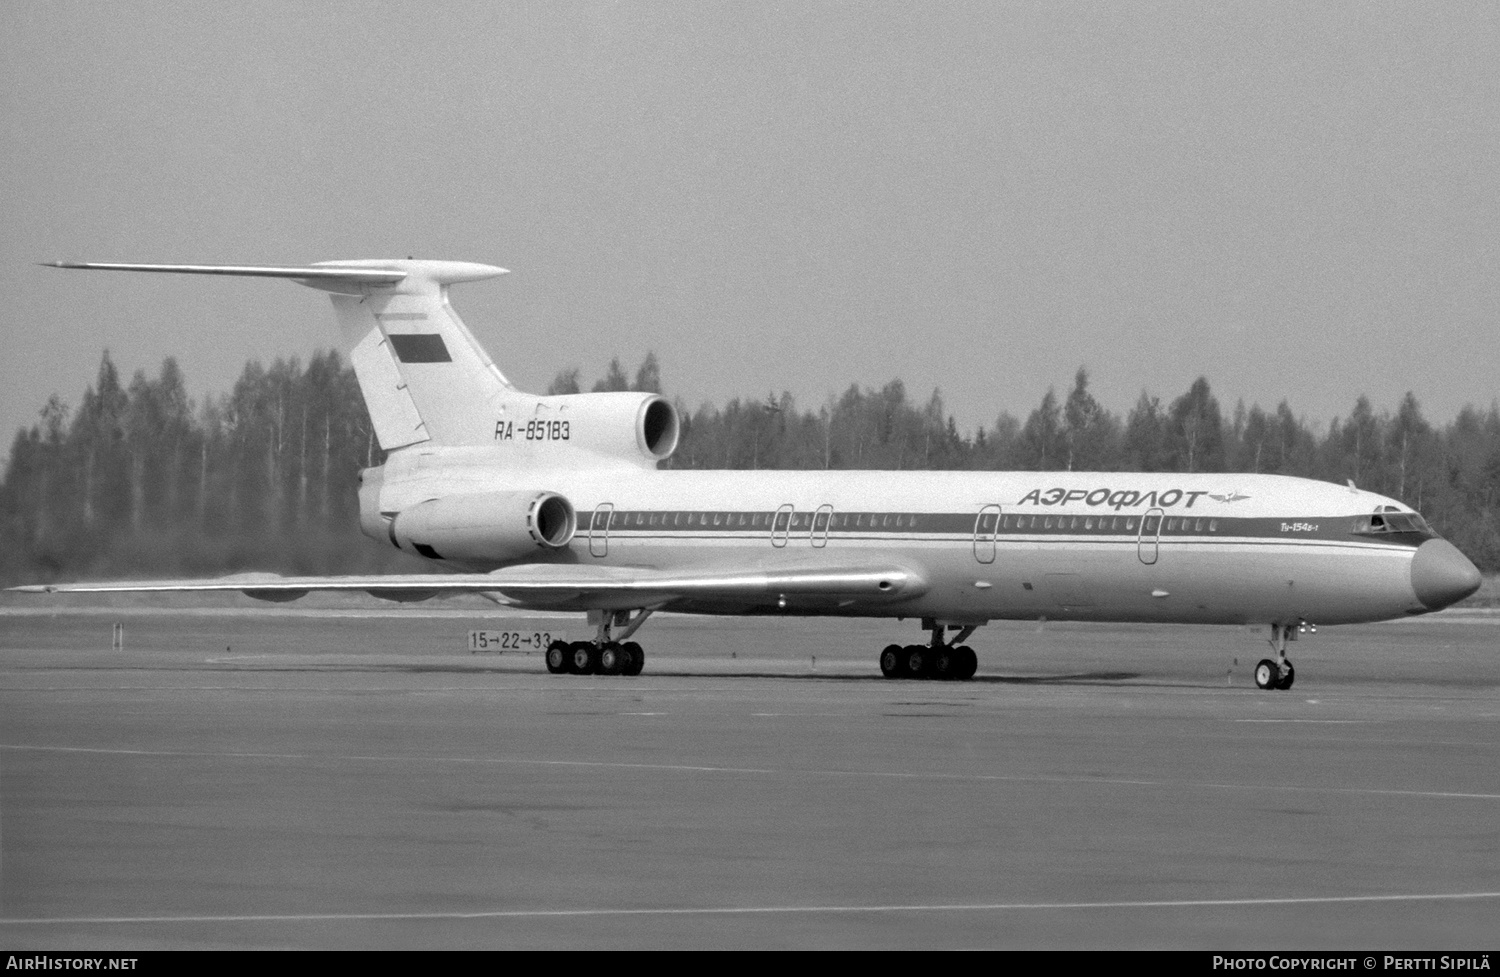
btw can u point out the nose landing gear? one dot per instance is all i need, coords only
(1279, 674)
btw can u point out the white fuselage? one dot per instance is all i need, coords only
(1205, 548)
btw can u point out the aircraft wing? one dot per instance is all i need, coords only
(562, 586)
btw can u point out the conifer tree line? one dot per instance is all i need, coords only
(138, 480)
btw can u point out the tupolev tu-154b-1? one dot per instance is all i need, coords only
(557, 503)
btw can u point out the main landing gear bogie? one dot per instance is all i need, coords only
(588, 658)
(947, 662)
(609, 653)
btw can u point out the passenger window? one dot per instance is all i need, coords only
(1213, 525)
(1088, 523)
(1047, 523)
(1171, 525)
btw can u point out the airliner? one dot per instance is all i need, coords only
(557, 503)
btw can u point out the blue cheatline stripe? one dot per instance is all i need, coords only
(630, 523)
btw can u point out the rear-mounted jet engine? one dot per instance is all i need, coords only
(485, 528)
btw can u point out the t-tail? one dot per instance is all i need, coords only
(427, 381)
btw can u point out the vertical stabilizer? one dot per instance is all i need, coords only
(423, 374)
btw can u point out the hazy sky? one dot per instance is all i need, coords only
(1299, 200)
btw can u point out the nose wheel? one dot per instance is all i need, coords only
(1274, 675)
(1278, 673)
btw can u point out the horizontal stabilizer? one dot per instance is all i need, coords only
(423, 375)
(362, 276)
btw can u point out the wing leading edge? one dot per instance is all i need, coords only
(556, 586)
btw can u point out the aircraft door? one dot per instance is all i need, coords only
(986, 528)
(820, 522)
(781, 525)
(599, 529)
(1148, 543)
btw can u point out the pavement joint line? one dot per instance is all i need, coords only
(699, 768)
(759, 910)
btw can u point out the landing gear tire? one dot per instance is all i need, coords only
(1267, 675)
(891, 661)
(636, 660)
(944, 664)
(1288, 673)
(612, 659)
(915, 661)
(583, 658)
(967, 663)
(557, 657)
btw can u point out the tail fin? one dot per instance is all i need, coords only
(423, 375)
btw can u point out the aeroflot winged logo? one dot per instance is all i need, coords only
(1122, 498)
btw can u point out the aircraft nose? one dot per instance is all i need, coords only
(1441, 575)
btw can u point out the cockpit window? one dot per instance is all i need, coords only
(1391, 521)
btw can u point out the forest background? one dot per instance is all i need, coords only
(140, 480)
